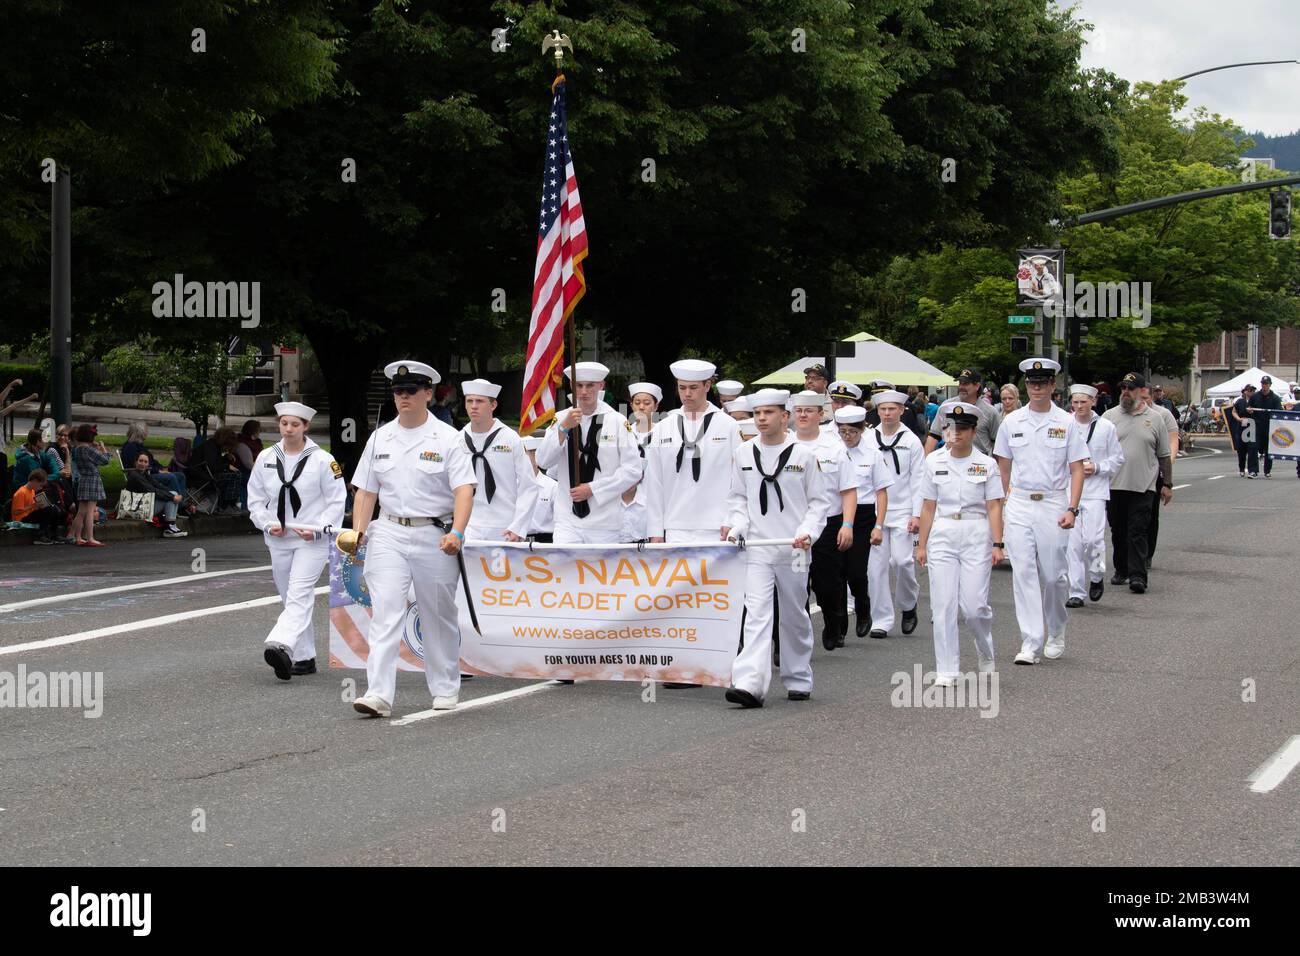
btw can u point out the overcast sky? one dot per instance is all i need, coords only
(1161, 39)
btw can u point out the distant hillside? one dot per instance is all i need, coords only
(1285, 150)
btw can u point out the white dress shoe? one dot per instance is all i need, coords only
(1026, 657)
(372, 706)
(1054, 648)
(446, 703)
(986, 666)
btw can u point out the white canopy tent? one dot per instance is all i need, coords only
(1233, 386)
(873, 359)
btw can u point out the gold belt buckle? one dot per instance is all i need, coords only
(1037, 496)
(956, 517)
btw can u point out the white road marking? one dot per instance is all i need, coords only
(100, 592)
(476, 702)
(1176, 487)
(1215, 477)
(143, 625)
(1274, 770)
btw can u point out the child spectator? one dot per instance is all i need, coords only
(88, 456)
(32, 506)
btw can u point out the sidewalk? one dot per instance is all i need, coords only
(170, 423)
(200, 526)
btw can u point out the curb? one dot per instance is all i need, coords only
(202, 526)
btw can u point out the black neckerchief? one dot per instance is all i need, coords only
(692, 446)
(588, 461)
(1091, 428)
(286, 487)
(880, 440)
(770, 479)
(489, 480)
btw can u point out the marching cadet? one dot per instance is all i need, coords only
(776, 492)
(916, 425)
(902, 453)
(506, 493)
(738, 408)
(969, 383)
(295, 481)
(960, 495)
(1041, 456)
(873, 477)
(542, 526)
(418, 469)
(1087, 554)
(829, 551)
(645, 398)
(590, 507)
(843, 394)
(748, 429)
(728, 391)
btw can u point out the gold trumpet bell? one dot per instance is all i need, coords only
(348, 541)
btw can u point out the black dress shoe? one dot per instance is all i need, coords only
(1118, 578)
(799, 695)
(278, 658)
(830, 637)
(862, 626)
(1074, 602)
(677, 685)
(1138, 587)
(744, 698)
(909, 621)
(840, 640)
(304, 667)
(878, 633)
(1096, 590)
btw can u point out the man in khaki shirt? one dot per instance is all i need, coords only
(1145, 442)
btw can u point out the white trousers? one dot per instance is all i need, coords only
(959, 558)
(484, 532)
(752, 669)
(1036, 545)
(1088, 547)
(567, 532)
(398, 558)
(894, 551)
(296, 568)
(689, 535)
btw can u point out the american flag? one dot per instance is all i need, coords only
(558, 282)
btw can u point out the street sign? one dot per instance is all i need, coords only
(1020, 320)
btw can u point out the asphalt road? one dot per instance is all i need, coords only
(1142, 720)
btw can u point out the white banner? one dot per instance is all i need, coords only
(1283, 430)
(666, 612)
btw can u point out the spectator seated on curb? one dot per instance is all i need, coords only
(34, 454)
(31, 505)
(165, 500)
(136, 433)
(213, 466)
(247, 447)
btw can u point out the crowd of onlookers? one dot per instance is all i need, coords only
(57, 486)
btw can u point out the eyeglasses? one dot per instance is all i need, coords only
(407, 390)
(1129, 388)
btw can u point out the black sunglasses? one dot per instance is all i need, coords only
(406, 389)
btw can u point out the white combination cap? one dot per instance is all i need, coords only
(845, 390)
(1083, 390)
(808, 399)
(1042, 367)
(769, 396)
(850, 415)
(409, 372)
(729, 388)
(692, 370)
(890, 395)
(297, 409)
(587, 372)
(480, 386)
(649, 388)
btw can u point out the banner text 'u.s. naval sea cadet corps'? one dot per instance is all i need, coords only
(776, 493)
(421, 474)
(959, 497)
(1087, 554)
(903, 455)
(295, 481)
(875, 488)
(590, 508)
(1040, 453)
(506, 493)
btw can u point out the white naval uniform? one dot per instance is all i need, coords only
(619, 469)
(1087, 553)
(678, 506)
(775, 575)
(1041, 448)
(296, 563)
(543, 520)
(515, 494)
(959, 552)
(634, 512)
(414, 471)
(895, 548)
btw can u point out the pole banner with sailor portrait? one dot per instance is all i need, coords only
(1039, 277)
(613, 612)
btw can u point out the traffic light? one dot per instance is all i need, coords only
(1076, 334)
(1019, 344)
(1279, 214)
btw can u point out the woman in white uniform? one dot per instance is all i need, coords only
(294, 481)
(645, 398)
(960, 503)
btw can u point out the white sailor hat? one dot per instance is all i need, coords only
(737, 405)
(588, 372)
(650, 388)
(692, 370)
(1040, 368)
(532, 442)
(890, 395)
(807, 399)
(480, 386)
(410, 372)
(1041, 260)
(769, 396)
(956, 411)
(297, 409)
(729, 388)
(851, 415)
(1083, 390)
(845, 390)
(748, 428)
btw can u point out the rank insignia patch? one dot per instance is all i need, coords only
(337, 469)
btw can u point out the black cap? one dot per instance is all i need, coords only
(1248, 387)
(969, 375)
(818, 369)
(1133, 380)
(1266, 381)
